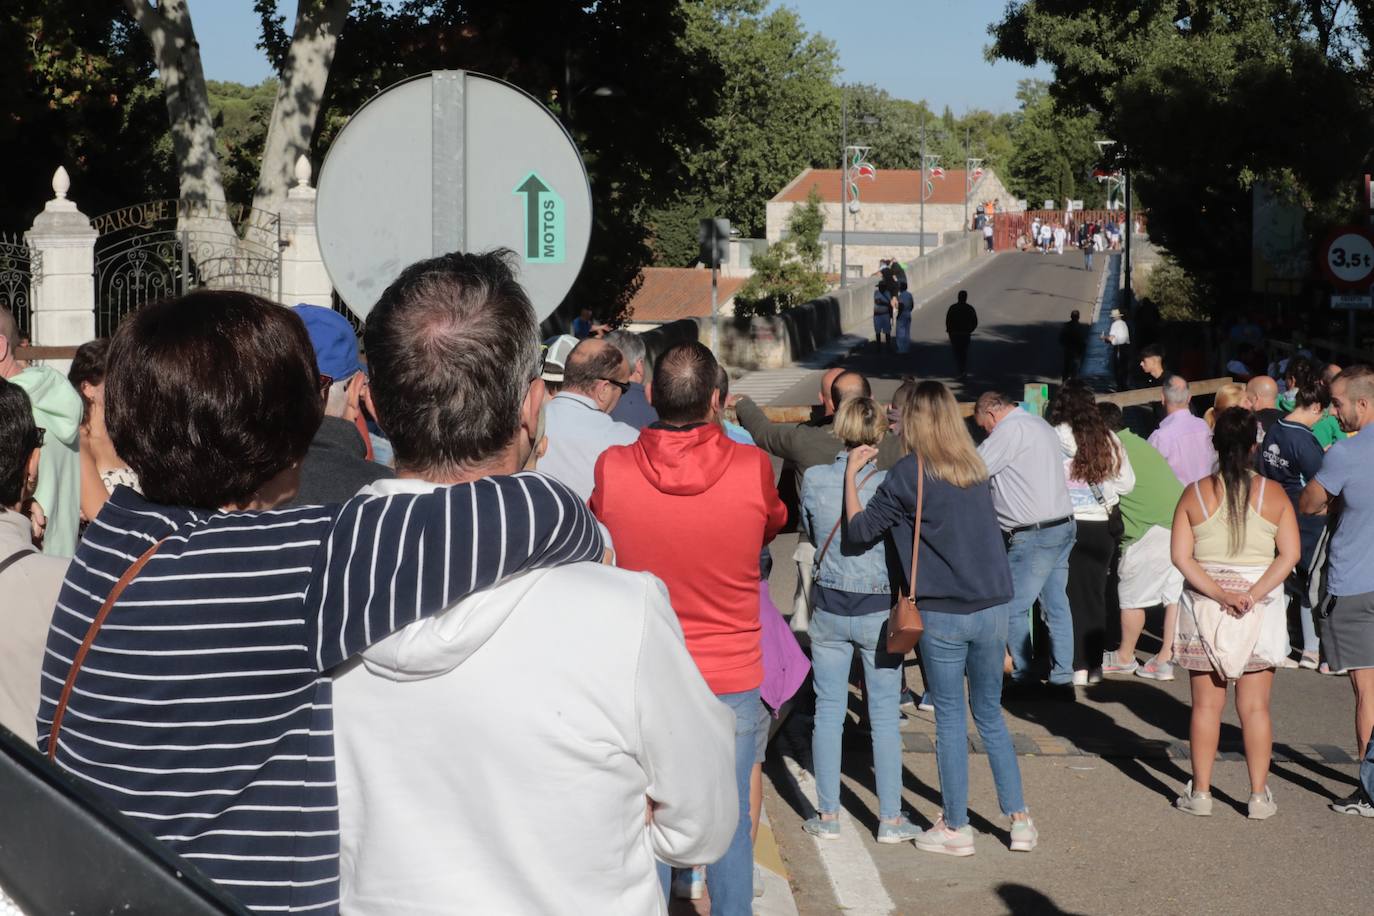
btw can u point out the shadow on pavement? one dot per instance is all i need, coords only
(1027, 901)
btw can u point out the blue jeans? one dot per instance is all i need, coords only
(730, 881)
(1088, 257)
(1367, 769)
(903, 332)
(952, 645)
(834, 637)
(1040, 568)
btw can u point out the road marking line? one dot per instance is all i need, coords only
(854, 877)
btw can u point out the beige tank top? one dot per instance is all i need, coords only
(1212, 538)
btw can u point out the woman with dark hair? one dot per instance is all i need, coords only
(1235, 539)
(202, 709)
(1098, 474)
(101, 467)
(29, 581)
(1291, 456)
(963, 588)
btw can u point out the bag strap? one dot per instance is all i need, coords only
(916, 526)
(91, 631)
(15, 558)
(821, 556)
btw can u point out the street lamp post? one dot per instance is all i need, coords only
(845, 151)
(922, 233)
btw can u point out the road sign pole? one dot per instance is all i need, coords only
(844, 185)
(922, 190)
(715, 311)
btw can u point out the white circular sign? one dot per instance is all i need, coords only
(452, 161)
(1350, 258)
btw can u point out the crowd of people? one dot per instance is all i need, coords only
(282, 589)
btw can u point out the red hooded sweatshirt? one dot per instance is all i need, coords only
(695, 509)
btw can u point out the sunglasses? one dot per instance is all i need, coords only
(623, 386)
(38, 436)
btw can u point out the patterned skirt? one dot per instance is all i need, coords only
(1209, 639)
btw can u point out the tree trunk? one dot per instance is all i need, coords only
(299, 92)
(168, 28)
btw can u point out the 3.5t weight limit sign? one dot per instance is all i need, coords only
(1348, 260)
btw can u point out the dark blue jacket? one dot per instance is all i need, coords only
(963, 562)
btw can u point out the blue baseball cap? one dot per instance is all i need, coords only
(336, 346)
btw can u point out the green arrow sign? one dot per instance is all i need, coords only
(545, 237)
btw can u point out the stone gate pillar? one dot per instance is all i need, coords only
(62, 242)
(303, 277)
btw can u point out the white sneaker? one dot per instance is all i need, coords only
(1024, 836)
(947, 841)
(1190, 802)
(1262, 805)
(1080, 677)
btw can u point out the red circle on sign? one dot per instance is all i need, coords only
(1347, 257)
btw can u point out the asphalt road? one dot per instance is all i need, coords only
(1021, 297)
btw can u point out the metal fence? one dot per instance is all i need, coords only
(18, 266)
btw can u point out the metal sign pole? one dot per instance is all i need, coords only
(844, 187)
(715, 310)
(922, 241)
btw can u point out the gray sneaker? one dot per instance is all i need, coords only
(902, 831)
(822, 829)
(1199, 803)
(1262, 805)
(1110, 664)
(1356, 804)
(946, 841)
(1024, 836)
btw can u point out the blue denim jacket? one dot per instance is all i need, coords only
(848, 566)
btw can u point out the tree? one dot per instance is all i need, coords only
(1208, 97)
(1054, 152)
(789, 272)
(772, 97)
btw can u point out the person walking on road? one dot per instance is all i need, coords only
(987, 235)
(905, 306)
(1085, 244)
(1098, 473)
(1235, 538)
(1036, 516)
(1146, 575)
(884, 304)
(1073, 340)
(1118, 337)
(963, 591)
(1348, 637)
(851, 597)
(961, 320)
(1184, 440)
(1060, 235)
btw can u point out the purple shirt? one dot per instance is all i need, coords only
(1185, 441)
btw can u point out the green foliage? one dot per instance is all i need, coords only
(788, 273)
(1054, 153)
(76, 77)
(1178, 295)
(242, 115)
(1206, 97)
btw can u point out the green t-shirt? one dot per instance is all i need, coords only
(1156, 492)
(1328, 431)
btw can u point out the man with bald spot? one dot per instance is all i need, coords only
(577, 421)
(1264, 396)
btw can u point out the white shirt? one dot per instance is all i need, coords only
(1118, 335)
(578, 433)
(29, 588)
(496, 758)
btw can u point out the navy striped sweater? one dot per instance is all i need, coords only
(203, 708)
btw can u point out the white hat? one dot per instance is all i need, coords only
(1116, 313)
(556, 357)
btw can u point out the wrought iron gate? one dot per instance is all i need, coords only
(18, 268)
(161, 248)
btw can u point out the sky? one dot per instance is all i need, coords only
(942, 62)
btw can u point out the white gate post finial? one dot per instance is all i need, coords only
(61, 183)
(303, 171)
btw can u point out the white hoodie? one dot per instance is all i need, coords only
(496, 758)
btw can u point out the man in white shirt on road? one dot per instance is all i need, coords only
(1118, 337)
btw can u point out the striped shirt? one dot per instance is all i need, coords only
(203, 709)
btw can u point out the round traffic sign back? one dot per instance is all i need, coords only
(452, 161)
(1348, 257)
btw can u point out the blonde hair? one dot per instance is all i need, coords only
(934, 429)
(1228, 395)
(860, 421)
